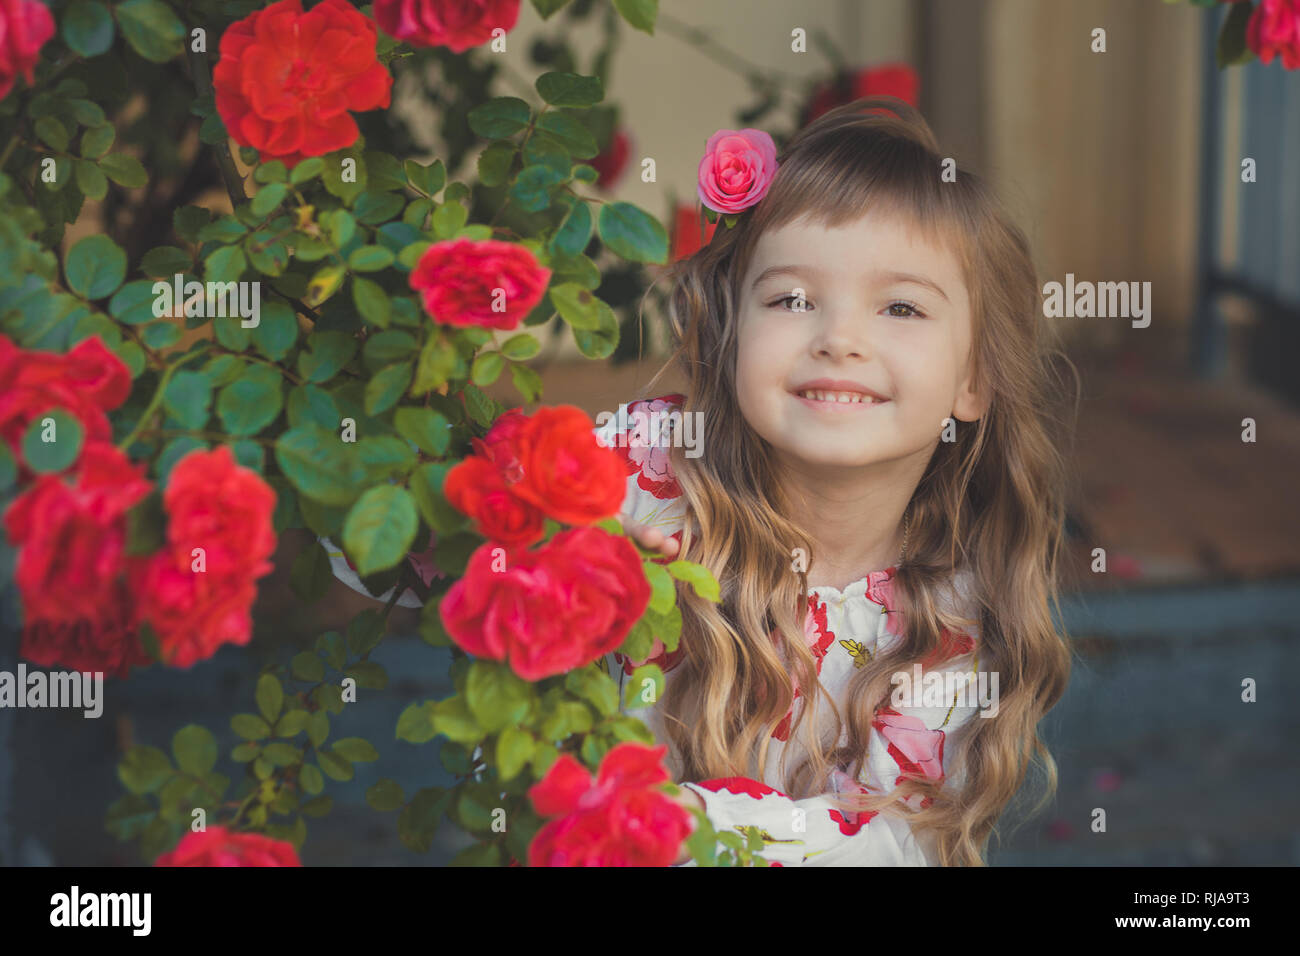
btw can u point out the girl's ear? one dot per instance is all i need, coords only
(970, 403)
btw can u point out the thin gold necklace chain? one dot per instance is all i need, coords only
(907, 522)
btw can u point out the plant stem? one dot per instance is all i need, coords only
(201, 71)
(154, 402)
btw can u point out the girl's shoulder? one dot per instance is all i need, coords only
(642, 433)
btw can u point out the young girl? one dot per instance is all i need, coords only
(879, 487)
(880, 496)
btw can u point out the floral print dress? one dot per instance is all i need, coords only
(844, 629)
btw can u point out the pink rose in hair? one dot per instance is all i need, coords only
(1273, 30)
(737, 168)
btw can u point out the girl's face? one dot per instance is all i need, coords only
(883, 312)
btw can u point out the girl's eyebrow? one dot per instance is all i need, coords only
(888, 276)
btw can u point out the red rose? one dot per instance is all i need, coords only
(25, 25)
(551, 610)
(476, 488)
(1273, 30)
(69, 570)
(457, 26)
(498, 445)
(610, 163)
(214, 504)
(687, 238)
(286, 79)
(567, 472)
(486, 283)
(621, 818)
(87, 382)
(217, 846)
(891, 79)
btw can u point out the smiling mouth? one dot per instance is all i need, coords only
(817, 397)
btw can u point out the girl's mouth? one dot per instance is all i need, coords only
(837, 401)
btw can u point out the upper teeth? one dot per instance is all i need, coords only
(821, 396)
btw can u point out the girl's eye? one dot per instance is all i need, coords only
(790, 298)
(902, 304)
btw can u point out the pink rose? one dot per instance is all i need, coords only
(25, 25)
(488, 283)
(217, 846)
(457, 25)
(1274, 29)
(737, 168)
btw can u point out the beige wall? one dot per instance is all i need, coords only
(1097, 153)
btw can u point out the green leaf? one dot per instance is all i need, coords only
(515, 747)
(54, 446)
(165, 262)
(600, 342)
(632, 233)
(568, 133)
(327, 352)
(527, 381)
(500, 117)
(195, 750)
(310, 779)
(272, 172)
(448, 219)
(252, 402)
(188, 397)
(152, 29)
(576, 305)
(639, 14)
(520, 347)
(87, 28)
(494, 163)
(277, 331)
(250, 726)
(376, 207)
(425, 428)
(427, 179)
(95, 142)
(386, 388)
(341, 227)
(385, 796)
(698, 577)
(663, 593)
(635, 690)
(575, 232)
(124, 169)
(370, 258)
(437, 363)
(1231, 48)
(335, 767)
(532, 187)
(380, 528)
(372, 301)
(293, 722)
(307, 169)
(95, 267)
(144, 769)
(227, 264)
(496, 697)
(415, 724)
(306, 665)
(487, 368)
(270, 697)
(320, 465)
(595, 686)
(569, 89)
(356, 750)
(268, 197)
(90, 180)
(453, 719)
(52, 132)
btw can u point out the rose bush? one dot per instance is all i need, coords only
(204, 389)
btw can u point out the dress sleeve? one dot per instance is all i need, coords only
(808, 832)
(421, 563)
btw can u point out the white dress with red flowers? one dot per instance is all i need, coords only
(844, 629)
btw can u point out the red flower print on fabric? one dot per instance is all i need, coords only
(817, 634)
(743, 785)
(916, 749)
(952, 644)
(644, 457)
